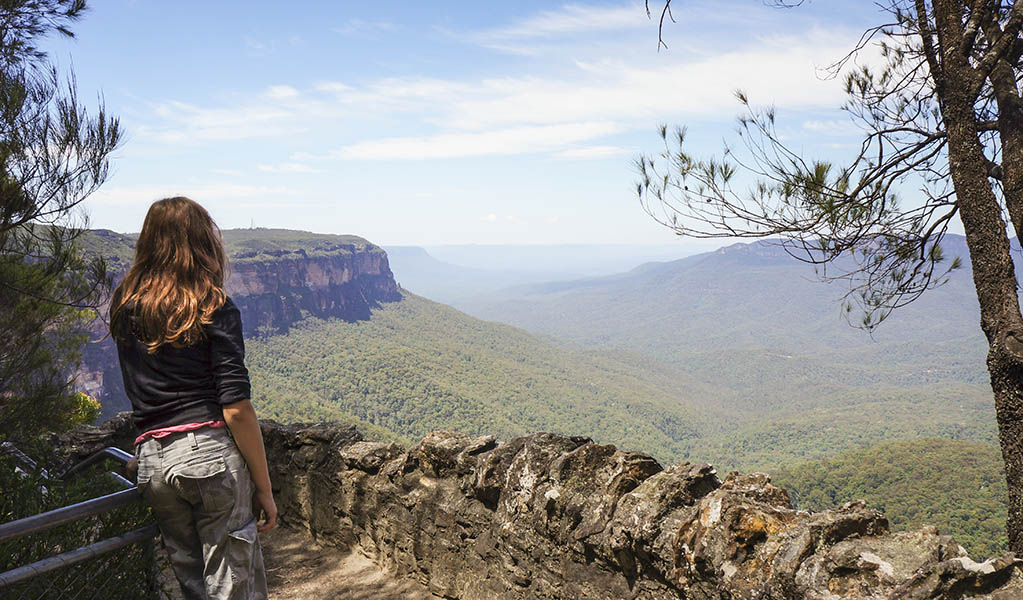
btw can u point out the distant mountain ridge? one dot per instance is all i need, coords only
(455, 274)
(421, 273)
(731, 297)
(280, 276)
(797, 381)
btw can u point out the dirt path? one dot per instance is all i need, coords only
(297, 568)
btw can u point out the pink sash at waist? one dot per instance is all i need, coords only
(165, 431)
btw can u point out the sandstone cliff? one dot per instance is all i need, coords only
(552, 517)
(275, 281)
(336, 280)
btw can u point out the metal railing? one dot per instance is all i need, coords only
(107, 453)
(67, 574)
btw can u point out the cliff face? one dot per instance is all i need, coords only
(273, 294)
(561, 518)
(273, 287)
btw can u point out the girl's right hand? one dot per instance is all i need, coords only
(264, 502)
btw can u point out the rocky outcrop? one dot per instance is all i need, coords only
(82, 442)
(272, 288)
(344, 283)
(554, 517)
(546, 516)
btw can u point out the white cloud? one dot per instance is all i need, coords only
(361, 28)
(281, 92)
(499, 219)
(591, 152)
(257, 48)
(513, 115)
(833, 127)
(780, 73)
(564, 112)
(517, 140)
(288, 167)
(571, 18)
(332, 86)
(185, 124)
(203, 193)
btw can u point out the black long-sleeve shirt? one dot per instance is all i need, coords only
(190, 384)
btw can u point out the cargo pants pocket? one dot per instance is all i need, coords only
(241, 542)
(237, 575)
(210, 480)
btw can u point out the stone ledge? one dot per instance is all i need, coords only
(546, 516)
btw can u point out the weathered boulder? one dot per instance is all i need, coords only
(83, 441)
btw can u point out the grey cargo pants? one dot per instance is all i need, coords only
(200, 490)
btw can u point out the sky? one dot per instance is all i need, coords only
(431, 123)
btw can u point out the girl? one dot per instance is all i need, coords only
(201, 462)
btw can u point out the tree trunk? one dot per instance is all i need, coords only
(1006, 373)
(993, 273)
(1010, 135)
(1007, 383)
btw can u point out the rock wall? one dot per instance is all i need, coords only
(553, 517)
(549, 517)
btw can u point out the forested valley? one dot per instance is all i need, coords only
(733, 358)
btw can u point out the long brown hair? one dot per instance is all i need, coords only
(176, 281)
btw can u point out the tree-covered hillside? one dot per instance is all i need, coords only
(956, 485)
(753, 321)
(794, 379)
(851, 420)
(417, 366)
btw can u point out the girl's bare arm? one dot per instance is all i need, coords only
(241, 419)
